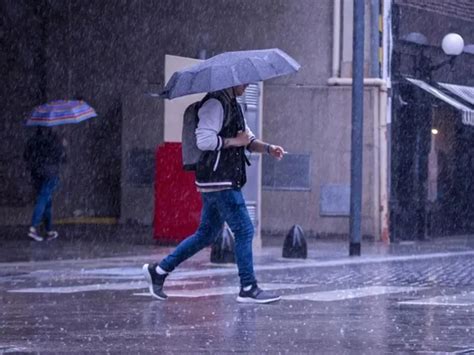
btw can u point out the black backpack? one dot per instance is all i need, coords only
(190, 151)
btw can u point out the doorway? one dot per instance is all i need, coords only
(432, 190)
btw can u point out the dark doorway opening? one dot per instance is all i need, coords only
(432, 180)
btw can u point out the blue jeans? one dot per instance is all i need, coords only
(44, 196)
(220, 206)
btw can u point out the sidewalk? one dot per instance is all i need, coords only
(96, 241)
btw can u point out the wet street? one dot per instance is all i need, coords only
(404, 298)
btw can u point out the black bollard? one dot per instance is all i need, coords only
(222, 250)
(295, 244)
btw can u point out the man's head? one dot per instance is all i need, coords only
(240, 89)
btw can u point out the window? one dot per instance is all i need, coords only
(291, 173)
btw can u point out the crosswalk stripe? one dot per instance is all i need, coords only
(226, 290)
(339, 295)
(134, 285)
(463, 299)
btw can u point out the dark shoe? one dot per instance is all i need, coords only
(33, 234)
(52, 235)
(256, 295)
(155, 281)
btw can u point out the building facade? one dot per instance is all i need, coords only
(432, 150)
(112, 52)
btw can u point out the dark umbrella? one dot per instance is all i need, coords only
(230, 69)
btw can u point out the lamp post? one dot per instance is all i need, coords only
(452, 45)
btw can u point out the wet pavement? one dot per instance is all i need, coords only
(87, 295)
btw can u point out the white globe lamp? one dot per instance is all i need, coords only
(452, 44)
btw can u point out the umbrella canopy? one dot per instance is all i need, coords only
(60, 112)
(230, 69)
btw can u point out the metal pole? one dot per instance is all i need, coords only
(374, 38)
(357, 127)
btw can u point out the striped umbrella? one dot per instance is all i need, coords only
(60, 112)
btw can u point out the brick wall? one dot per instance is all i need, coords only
(456, 8)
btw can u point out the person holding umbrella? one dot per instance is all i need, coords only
(45, 152)
(223, 135)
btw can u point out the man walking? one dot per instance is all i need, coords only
(222, 135)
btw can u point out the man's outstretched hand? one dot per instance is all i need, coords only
(276, 151)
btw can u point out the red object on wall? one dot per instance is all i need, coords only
(177, 202)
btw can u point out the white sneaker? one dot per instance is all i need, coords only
(52, 235)
(33, 234)
(257, 295)
(155, 281)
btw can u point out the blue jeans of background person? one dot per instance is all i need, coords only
(220, 206)
(44, 196)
